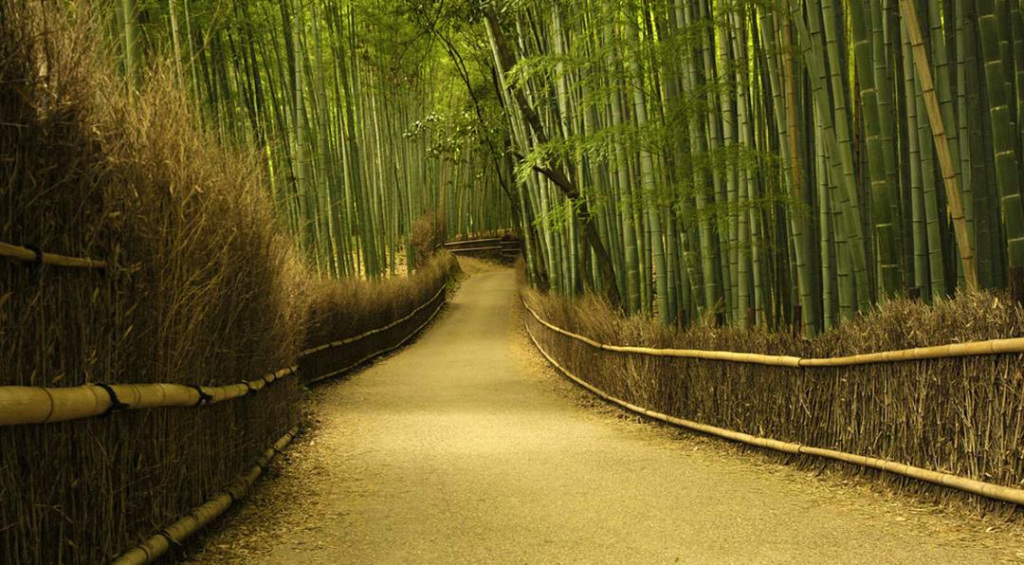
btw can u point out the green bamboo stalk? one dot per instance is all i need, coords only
(1003, 134)
(881, 199)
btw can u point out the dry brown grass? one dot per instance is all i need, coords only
(428, 233)
(339, 311)
(353, 308)
(203, 288)
(962, 416)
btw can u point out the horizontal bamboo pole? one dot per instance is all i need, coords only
(382, 351)
(158, 544)
(967, 349)
(997, 492)
(475, 249)
(24, 254)
(453, 244)
(38, 405)
(366, 334)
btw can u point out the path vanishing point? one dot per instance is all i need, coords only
(466, 448)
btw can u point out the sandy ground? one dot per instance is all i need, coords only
(466, 448)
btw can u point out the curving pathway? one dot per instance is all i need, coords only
(462, 448)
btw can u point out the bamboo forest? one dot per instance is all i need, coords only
(416, 274)
(751, 160)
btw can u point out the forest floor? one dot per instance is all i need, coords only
(466, 447)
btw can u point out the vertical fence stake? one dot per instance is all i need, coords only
(798, 320)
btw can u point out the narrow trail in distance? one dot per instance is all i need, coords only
(462, 448)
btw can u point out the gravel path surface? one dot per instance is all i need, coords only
(464, 448)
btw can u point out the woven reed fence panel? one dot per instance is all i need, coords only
(82, 491)
(961, 416)
(317, 365)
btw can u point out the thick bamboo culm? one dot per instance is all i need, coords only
(26, 255)
(997, 492)
(968, 349)
(38, 405)
(159, 543)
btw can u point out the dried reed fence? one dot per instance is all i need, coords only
(256, 409)
(201, 288)
(950, 415)
(338, 357)
(161, 542)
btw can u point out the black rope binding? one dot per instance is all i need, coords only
(115, 402)
(250, 390)
(204, 397)
(175, 544)
(38, 261)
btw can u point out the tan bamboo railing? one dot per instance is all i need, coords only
(366, 334)
(28, 255)
(475, 249)
(409, 336)
(160, 542)
(40, 405)
(453, 244)
(967, 349)
(997, 492)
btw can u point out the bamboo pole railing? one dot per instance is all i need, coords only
(366, 334)
(452, 244)
(966, 349)
(159, 543)
(409, 336)
(996, 492)
(41, 405)
(476, 249)
(28, 255)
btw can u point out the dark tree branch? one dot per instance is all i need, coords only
(555, 171)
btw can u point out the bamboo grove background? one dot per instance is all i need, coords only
(740, 158)
(353, 109)
(763, 162)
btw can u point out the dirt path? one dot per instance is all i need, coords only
(464, 449)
